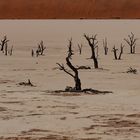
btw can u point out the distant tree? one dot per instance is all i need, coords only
(40, 49)
(32, 53)
(93, 43)
(3, 42)
(121, 51)
(131, 41)
(70, 65)
(114, 50)
(105, 46)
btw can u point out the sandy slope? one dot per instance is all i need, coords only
(34, 113)
(69, 9)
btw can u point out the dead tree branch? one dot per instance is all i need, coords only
(115, 52)
(40, 49)
(93, 43)
(3, 42)
(121, 51)
(69, 64)
(131, 41)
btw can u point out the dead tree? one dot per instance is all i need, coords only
(105, 46)
(93, 43)
(115, 52)
(69, 64)
(3, 42)
(132, 70)
(40, 49)
(26, 83)
(80, 48)
(131, 41)
(121, 51)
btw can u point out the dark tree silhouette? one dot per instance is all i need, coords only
(40, 49)
(3, 42)
(115, 52)
(69, 64)
(105, 46)
(26, 83)
(93, 43)
(131, 41)
(4, 46)
(121, 51)
(32, 53)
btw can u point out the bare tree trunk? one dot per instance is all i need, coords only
(76, 75)
(121, 51)
(3, 42)
(32, 53)
(131, 41)
(105, 46)
(131, 49)
(120, 56)
(42, 47)
(134, 49)
(115, 52)
(94, 59)
(92, 41)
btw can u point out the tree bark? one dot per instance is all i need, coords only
(93, 44)
(76, 76)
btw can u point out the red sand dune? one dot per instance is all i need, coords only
(69, 9)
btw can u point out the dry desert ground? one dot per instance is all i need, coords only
(35, 113)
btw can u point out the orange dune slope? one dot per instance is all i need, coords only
(69, 9)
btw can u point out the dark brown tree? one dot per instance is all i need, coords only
(32, 53)
(115, 52)
(69, 64)
(118, 56)
(40, 49)
(105, 46)
(93, 43)
(131, 41)
(3, 42)
(121, 51)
